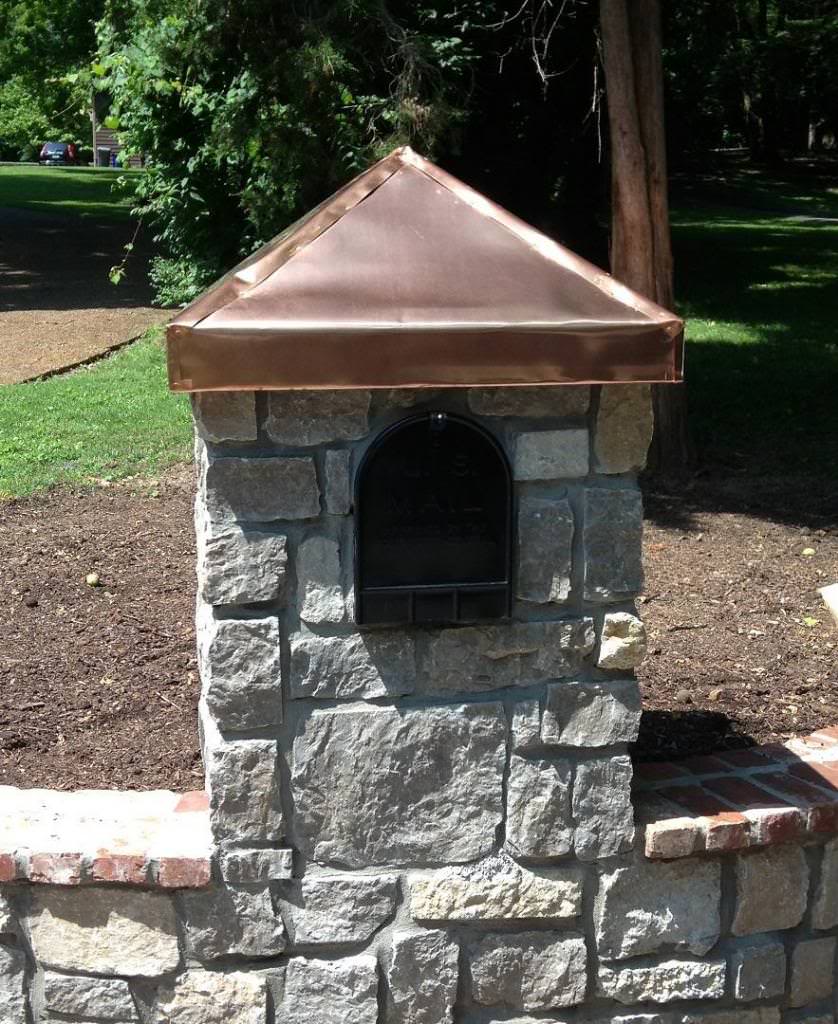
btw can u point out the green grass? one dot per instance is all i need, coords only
(78, 191)
(108, 420)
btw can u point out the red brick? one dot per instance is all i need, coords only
(751, 757)
(726, 831)
(8, 867)
(818, 773)
(183, 872)
(673, 837)
(195, 800)
(741, 793)
(821, 805)
(120, 868)
(777, 752)
(694, 799)
(705, 765)
(658, 771)
(827, 737)
(55, 868)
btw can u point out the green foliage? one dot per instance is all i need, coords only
(108, 420)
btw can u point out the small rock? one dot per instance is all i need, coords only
(30, 602)
(716, 694)
(92, 579)
(683, 697)
(808, 552)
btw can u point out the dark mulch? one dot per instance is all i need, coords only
(98, 685)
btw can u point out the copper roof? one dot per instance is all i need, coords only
(406, 277)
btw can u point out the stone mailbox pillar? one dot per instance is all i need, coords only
(388, 782)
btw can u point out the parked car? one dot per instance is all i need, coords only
(58, 153)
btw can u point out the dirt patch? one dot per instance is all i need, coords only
(58, 307)
(99, 687)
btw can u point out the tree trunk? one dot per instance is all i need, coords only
(641, 252)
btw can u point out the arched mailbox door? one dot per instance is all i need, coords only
(433, 511)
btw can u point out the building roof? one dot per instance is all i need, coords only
(406, 277)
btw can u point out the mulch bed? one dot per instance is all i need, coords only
(98, 685)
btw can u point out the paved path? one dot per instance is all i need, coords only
(57, 306)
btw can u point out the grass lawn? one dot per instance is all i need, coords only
(108, 420)
(79, 191)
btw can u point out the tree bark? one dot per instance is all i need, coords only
(641, 250)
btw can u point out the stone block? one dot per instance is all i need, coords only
(781, 871)
(623, 641)
(545, 546)
(341, 991)
(244, 791)
(602, 808)
(825, 904)
(7, 918)
(300, 419)
(337, 487)
(323, 910)
(529, 971)
(663, 981)
(225, 415)
(13, 987)
(479, 658)
(496, 889)
(538, 820)
(561, 400)
(423, 978)
(526, 725)
(210, 997)
(551, 455)
(613, 534)
(428, 788)
(591, 714)
(240, 670)
(320, 595)
(236, 565)
(812, 971)
(739, 1015)
(246, 867)
(623, 431)
(232, 922)
(758, 970)
(104, 931)
(650, 906)
(357, 665)
(106, 998)
(261, 490)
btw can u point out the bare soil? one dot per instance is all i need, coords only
(58, 308)
(99, 687)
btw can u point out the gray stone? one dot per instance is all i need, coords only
(244, 791)
(825, 905)
(393, 786)
(232, 922)
(809, 1015)
(244, 867)
(739, 1015)
(12, 987)
(238, 566)
(104, 931)
(551, 455)
(324, 910)
(261, 490)
(7, 918)
(225, 415)
(663, 981)
(422, 978)
(496, 889)
(319, 587)
(812, 971)
(108, 998)
(479, 658)
(649, 906)
(357, 665)
(602, 808)
(758, 970)
(781, 871)
(623, 643)
(208, 997)
(624, 425)
(529, 971)
(304, 418)
(591, 714)
(526, 725)
(341, 991)
(337, 490)
(545, 545)
(538, 821)
(613, 533)
(240, 670)
(542, 400)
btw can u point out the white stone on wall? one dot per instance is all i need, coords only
(602, 807)
(320, 596)
(12, 986)
(335, 910)
(205, 997)
(423, 978)
(663, 982)
(244, 791)
(551, 455)
(529, 971)
(538, 819)
(225, 415)
(781, 871)
(623, 641)
(623, 430)
(341, 991)
(237, 565)
(305, 418)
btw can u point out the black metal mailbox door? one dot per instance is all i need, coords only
(433, 502)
